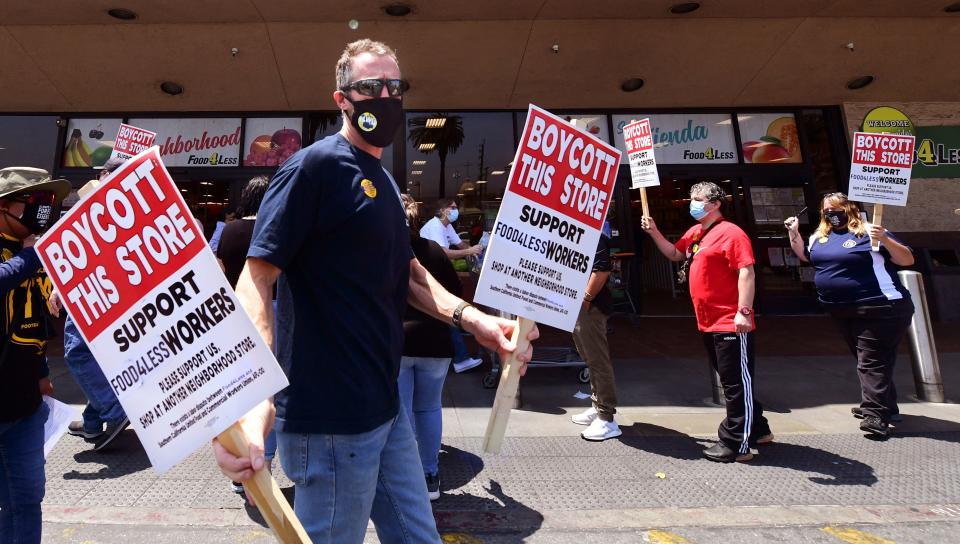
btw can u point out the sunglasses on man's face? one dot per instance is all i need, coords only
(374, 87)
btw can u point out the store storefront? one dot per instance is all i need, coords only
(772, 164)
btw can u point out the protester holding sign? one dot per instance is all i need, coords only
(719, 263)
(103, 407)
(861, 290)
(29, 202)
(590, 337)
(333, 230)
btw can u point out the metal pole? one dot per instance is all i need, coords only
(923, 350)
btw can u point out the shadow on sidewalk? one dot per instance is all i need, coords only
(834, 469)
(495, 511)
(124, 456)
(923, 427)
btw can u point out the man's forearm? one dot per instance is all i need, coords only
(746, 286)
(427, 295)
(666, 247)
(596, 282)
(255, 293)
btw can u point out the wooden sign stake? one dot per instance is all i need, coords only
(643, 202)
(507, 390)
(265, 491)
(877, 220)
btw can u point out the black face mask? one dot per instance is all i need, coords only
(377, 119)
(837, 220)
(40, 211)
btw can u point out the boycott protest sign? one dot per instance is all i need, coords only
(546, 233)
(639, 145)
(544, 239)
(131, 141)
(545, 236)
(880, 169)
(147, 295)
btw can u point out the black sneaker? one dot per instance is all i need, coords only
(433, 486)
(237, 488)
(76, 428)
(720, 453)
(875, 426)
(858, 413)
(113, 431)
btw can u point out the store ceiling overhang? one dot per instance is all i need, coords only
(67, 56)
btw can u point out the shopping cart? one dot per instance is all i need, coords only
(543, 357)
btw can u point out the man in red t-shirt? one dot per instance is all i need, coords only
(719, 262)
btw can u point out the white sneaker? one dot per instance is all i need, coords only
(601, 430)
(585, 417)
(467, 364)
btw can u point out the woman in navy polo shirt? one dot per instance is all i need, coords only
(861, 290)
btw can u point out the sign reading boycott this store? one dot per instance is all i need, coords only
(545, 237)
(639, 144)
(146, 293)
(880, 168)
(131, 141)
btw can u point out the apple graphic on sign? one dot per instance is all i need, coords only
(286, 137)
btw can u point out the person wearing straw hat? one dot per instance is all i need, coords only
(29, 204)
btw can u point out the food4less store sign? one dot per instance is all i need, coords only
(937, 153)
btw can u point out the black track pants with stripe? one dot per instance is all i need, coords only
(731, 355)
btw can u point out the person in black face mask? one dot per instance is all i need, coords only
(861, 290)
(29, 204)
(332, 229)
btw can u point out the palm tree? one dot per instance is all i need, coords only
(448, 138)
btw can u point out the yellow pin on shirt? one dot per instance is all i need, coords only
(369, 188)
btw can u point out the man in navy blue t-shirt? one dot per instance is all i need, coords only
(333, 231)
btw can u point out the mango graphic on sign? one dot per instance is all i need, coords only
(781, 144)
(367, 121)
(369, 188)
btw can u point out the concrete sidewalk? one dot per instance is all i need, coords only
(549, 481)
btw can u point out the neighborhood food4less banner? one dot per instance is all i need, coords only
(546, 233)
(146, 293)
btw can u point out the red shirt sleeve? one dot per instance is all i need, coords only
(739, 250)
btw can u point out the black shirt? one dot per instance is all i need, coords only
(601, 263)
(234, 244)
(332, 221)
(425, 336)
(24, 288)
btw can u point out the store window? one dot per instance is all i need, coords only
(28, 140)
(89, 142)
(463, 155)
(270, 141)
(769, 138)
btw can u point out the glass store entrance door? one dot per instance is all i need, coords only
(660, 294)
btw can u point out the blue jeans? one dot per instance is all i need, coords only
(102, 404)
(344, 480)
(421, 386)
(22, 479)
(460, 351)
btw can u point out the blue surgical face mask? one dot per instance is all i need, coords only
(453, 215)
(697, 210)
